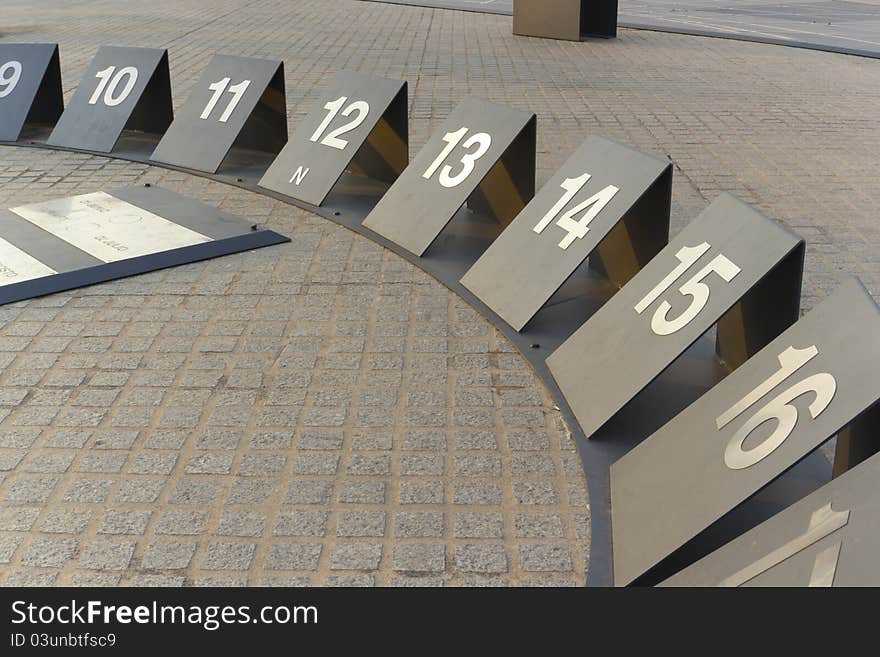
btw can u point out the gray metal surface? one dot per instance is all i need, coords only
(367, 113)
(477, 136)
(667, 306)
(832, 25)
(753, 426)
(251, 116)
(123, 89)
(30, 87)
(523, 268)
(101, 236)
(793, 549)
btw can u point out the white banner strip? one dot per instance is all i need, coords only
(17, 266)
(108, 228)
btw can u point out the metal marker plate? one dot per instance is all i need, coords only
(767, 415)
(352, 108)
(17, 266)
(237, 100)
(124, 88)
(30, 86)
(715, 261)
(829, 538)
(596, 187)
(108, 228)
(446, 172)
(68, 243)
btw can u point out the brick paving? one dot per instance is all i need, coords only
(321, 412)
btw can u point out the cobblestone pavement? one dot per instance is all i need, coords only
(849, 26)
(321, 412)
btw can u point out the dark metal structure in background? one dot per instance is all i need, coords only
(30, 88)
(571, 20)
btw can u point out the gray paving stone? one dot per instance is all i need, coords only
(169, 555)
(66, 520)
(106, 555)
(356, 556)
(293, 556)
(25, 579)
(18, 518)
(422, 492)
(8, 546)
(94, 491)
(242, 523)
(477, 493)
(181, 522)
(360, 523)
(50, 553)
(479, 525)
(30, 489)
(539, 526)
(157, 581)
(481, 558)
(538, 493)
(229, 556)
(419, 524)
(195, 491)
(125, 521)
(309, 491)
(362, 492)
(419, 557)
(316, 464)
(301, 522)
(543, 557)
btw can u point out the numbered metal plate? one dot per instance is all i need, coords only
(359, 123)
(829, 538)
(607, 202)
(797, 392)
(70, 242)
(238, 101)
(483, 154)
(123, 89)
(731, 266)
(30, 87)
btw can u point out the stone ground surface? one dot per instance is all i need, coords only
(850, 26)
(321, 412)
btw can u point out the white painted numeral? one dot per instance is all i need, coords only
(237, 91)
(10, 74)
(332, 140)
(694, 288)
(109, 83)
(823, 522)
(481, 140)
(576, 228)
(822, 385)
